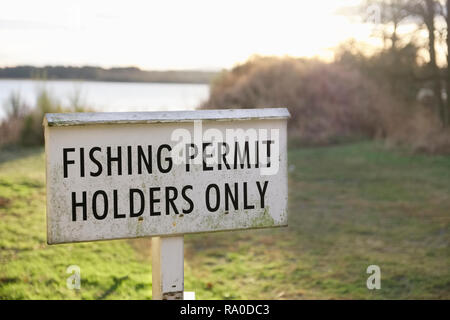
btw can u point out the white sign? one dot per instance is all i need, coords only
(127, 175)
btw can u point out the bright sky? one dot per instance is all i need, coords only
(194, 34)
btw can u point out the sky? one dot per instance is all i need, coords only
(194, 34)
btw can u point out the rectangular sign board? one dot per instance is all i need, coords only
(128, 175)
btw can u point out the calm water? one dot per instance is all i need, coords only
(110, 96)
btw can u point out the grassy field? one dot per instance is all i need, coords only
(351, 206)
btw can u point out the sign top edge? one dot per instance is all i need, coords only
(89, 118)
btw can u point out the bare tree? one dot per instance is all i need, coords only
(447, 19)
(389, 14)
(427, 11)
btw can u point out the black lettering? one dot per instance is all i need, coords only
(82, 204)
(94, 160)
(237, 153)
(170, 200)
(187, 199)
(66, 162)
(246, 205)
(168, 159)
(229, 195)
(208, 204)
(110, 159)
(130, 164)
(116, 207)
(206, 156)
(257, 154)
(134, 214)
(223, 156)
(190, 156)
(147, 159)
(262, 192)
(81, 162)
(105, 204)
(153, 201)
(268, 142)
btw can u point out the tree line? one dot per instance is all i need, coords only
(127, 74)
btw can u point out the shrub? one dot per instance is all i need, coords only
(24, 125)
(10, 130)
(32, 132)
(421, 132)
(15, 110)
(327, 102)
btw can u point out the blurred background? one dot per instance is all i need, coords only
(367, 84)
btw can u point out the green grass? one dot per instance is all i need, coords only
(350, 206)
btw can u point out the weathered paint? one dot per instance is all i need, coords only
(128, 129)
(90, 118)
(167, 268)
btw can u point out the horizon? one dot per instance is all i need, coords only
(107, 68)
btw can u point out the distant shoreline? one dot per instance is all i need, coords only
(108, 81)
(128, 74)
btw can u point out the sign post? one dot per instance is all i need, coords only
(167, 268)
(163, 175)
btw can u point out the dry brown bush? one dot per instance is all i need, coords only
(10, 130)
(421, 131)
(328, 103)
(23, 124)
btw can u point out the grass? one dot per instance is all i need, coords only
(351, 206)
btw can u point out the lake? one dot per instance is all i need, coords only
(110, 96)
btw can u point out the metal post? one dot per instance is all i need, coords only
(168, 268)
